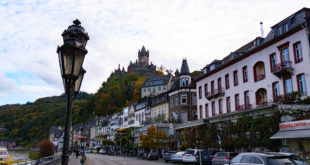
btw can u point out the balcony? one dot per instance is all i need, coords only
(215, 93)
(279, 98)
(244, 107)
(282, 68)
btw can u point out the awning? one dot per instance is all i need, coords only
(292, 134)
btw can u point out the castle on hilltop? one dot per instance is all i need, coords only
(141, 66)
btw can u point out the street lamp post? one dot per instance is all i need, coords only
(71, 56)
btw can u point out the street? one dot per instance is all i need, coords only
(97, 159)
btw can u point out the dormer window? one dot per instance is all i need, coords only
(285, 28)
(184, 82)
(212, 67)
(279, 30)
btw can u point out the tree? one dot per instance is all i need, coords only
(46, 148)
(153, 138)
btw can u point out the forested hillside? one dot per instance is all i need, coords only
(29, 123)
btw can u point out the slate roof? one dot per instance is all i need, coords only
(57, 132)
(156, 81)
(184, 68)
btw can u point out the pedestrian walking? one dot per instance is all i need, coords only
(77, 153)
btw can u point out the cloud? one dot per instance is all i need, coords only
(199, 30)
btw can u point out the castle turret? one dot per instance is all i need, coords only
(143, 57)
(185, 78)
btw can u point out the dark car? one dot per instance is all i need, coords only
(220, 158)
(152, 156)
(206, 155)
(261, 158)
(168, 155)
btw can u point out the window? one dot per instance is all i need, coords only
(246, 98)
(219, 83)
(275, 90)
(164, 87)
(212, 86)
(200, 111)
(207, 110)
(288, 87)
(227, 81)
(213, 108)
(212, 67)
(301, 80)
(171, 101)
(235, 77)
(259, 71)
(245, 74)
(297, 52)
(142, 115)
(154, 89)
(149, 89)
(220, 106)
(183, 83)
(200, 96)
(206, 89)
(279, 30)
(159, 88)
(228, 104)
(237, 102)
(144, 90)
(176, 100)
(184, 99)
(136, 117)
(273, 61)
(285, 28)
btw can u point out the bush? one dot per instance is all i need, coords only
(46, 148)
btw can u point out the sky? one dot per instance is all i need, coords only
(198, 30)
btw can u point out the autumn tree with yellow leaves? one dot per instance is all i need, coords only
(154, 138)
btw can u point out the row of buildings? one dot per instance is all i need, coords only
(265, 76)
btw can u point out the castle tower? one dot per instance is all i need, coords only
(143, 57)
(185, 78)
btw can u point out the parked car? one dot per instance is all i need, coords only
(298, 160)
(206, 155)
(177, 157)
(261, 158)
(190, 155)
(221, 158)
(102, 151)
(168, 155)
(4, 155)
(153, 156)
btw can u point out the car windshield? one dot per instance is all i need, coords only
(189, 152)
(221, 154)
(279, 160)
(296, 157)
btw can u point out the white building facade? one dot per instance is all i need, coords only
(262, 72)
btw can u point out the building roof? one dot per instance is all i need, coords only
(156, 81)
(184, 68)
(294, 22)
(56, 131)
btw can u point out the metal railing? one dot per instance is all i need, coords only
(51, 160)
(281, 66)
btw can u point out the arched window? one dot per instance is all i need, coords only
(261, 97)
(259, 71)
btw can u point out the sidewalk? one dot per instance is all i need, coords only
(76, 161)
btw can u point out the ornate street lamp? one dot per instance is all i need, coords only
(71, 56)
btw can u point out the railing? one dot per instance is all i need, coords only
(51, 160)
(281, 66)
(279, 98)
(262, 103)
(215, 93)
(244, 107)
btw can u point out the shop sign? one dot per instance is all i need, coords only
(296, 125)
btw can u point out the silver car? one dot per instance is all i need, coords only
(298, 160)
(177, 157)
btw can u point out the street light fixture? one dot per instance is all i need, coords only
(71, 56)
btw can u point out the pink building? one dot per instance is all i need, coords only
(260, 73)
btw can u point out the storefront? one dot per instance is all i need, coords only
(296, 136)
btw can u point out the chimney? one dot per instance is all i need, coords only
(261, 29)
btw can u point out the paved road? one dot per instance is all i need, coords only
(97, 159)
